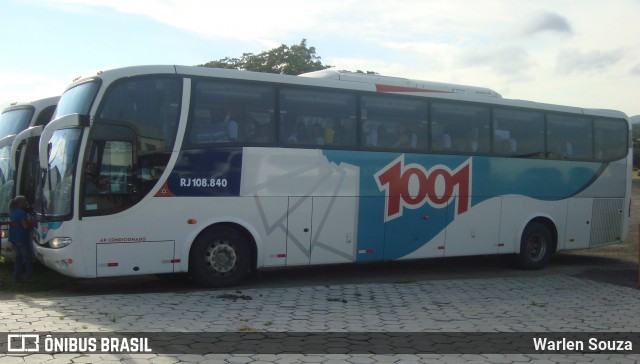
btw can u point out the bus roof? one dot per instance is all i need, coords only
(398, 84)
(38, 104)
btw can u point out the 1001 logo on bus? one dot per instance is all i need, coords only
(411, 186)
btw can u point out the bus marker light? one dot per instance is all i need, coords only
(425, 217)
(500, 245)
(112, 264)
(281, 255)
(365, 251)
(69, 261)
(174, 261)
(192, 221)
(441, 247)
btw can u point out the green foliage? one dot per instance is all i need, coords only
(366, 73)
(285, 60)
(47, 280)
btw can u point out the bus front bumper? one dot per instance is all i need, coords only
(58, 260)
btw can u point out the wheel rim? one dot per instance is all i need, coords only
(220, 257)
(536, 247)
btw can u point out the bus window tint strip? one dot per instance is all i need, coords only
(229, 113)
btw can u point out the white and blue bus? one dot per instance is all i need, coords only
(167, 169)
(19, 166)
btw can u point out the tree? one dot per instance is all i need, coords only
(284, 60)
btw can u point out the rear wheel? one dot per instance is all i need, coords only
(220, 257)
(536, 246)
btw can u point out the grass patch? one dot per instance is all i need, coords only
(246, 328)
(47, 280)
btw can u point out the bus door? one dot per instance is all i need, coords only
(476, 231)
(299, 230)
(333, 229)
(422, 230)
(27, 168)
(321, 230)
(578, 231)
(122, 237)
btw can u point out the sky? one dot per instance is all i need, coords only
(583, 53)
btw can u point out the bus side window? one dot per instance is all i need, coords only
(317, 118)
(441, 139)
(569, 137)
(45, 116)
(518, 133)
(227, 112)
(607, 136)
(109, 183)
(467, 126)
(393, 123)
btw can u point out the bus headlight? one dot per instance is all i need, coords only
(57, 243)
(5, 234)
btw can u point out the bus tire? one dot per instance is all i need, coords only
(536, 246)
(219, 257)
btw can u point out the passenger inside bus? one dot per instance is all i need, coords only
(230, 126)
(93, 184)
(402, 140)
(318, 134)
(211, 128)
(299, 134)
(441, 141)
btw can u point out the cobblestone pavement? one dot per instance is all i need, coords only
(552, 303)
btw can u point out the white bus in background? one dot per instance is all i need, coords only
(167, 169)
(18, 124)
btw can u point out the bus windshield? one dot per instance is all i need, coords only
(15, 120)
(55, 202)
(6, 179)
(77, 100)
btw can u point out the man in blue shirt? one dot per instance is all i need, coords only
(19, 236)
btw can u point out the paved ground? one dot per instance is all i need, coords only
(549, 303)
(584, 291)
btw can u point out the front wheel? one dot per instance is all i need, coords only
(536, 246)
(219, 257)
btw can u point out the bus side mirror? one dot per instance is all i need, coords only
(32, 132)
(65, 122)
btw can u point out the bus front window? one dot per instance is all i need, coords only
(55, 201)
(14, 121)
(77, 100)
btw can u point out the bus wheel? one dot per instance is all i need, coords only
(536, 246)
(219, 257)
